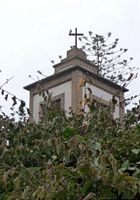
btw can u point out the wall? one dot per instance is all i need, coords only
(62, 88)
(103, 95)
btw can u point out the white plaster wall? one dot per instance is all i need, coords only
(62, 88)
(102, 94)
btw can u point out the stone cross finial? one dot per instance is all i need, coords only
(76, 35)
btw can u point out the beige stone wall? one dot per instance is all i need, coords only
(74, 62)
(64, 88)
(66, 79)
(69, 85)
(75, 57)
(102, 96)
(76, 90)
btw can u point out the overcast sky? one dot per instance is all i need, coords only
(34, 32)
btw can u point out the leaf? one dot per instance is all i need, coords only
(39, 72)
(82, 82)
(90, 196)
(21, 107)
(114, 101)
(109, 34)
(113, 162)
(125, 165)
(90, 33)
(89, 89)
(28, 111)
(43, 94)
(97, 146)
(14, 101)
(130, 77)
(135, 151)
(113, 46)
(6, 97)
(2, 92)
(94, 47)
(85, 37)
(68, 132)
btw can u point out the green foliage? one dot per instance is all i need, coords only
(75, 157)
(110, 60)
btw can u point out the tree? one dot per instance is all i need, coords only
(70, 157)
(109, 59)
(75, 157)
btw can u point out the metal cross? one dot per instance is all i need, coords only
(76, 35)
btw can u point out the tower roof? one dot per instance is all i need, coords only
(75, 56)
(69, 71)
(76, 59)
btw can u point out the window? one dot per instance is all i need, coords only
(103, 104)
(56, 103)
(99, 101)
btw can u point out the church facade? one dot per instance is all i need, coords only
(64, 86)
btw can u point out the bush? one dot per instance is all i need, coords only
(75, 157)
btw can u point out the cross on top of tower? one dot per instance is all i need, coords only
(76, 34)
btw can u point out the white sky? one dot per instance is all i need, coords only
(34, 32)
